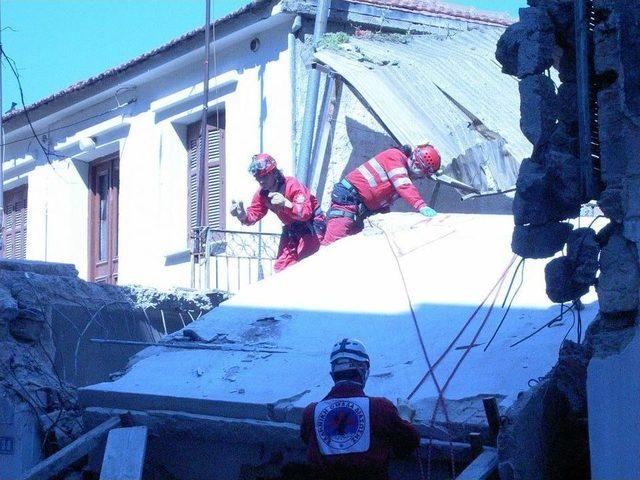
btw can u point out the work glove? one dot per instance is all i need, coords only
(278, 199)
(428, 211)
(406, 410)
(237, 210)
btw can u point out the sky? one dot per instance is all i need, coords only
(57, 43)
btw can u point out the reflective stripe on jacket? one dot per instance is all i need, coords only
(382, 179)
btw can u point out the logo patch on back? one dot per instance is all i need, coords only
(343, 425)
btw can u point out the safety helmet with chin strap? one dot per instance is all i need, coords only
(349, 356)
(262, 164)
(424, 160)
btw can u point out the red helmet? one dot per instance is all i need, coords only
(425, 160)
(262, 164)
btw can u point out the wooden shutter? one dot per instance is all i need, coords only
(15, 223)
(215, 190)
(214, 180)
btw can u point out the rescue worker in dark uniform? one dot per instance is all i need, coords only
(351, 436)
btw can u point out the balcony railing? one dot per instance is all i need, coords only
(230, 259)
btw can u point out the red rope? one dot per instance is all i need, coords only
(426, 356)
(499, 282)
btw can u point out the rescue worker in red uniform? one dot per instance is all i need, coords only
(375, 185)
(350, 436)
(294, 205)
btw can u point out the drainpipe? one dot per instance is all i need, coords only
(201, 214)
(293, 80)
(1, 154)
(313, 84)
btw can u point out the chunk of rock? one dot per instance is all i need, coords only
(619, 280)
(540, 241)
(538, 107)
(28, 325)
(561, 286)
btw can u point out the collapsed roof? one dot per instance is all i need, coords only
(445, 89)
(353, 288)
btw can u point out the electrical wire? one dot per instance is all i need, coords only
(546, 325)
(13, 68)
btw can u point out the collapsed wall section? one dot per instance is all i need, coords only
(48, 317)
(586, 134)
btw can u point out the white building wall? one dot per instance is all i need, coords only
(57, 228)
(152, 227)
(613, 390)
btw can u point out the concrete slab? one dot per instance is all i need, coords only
(455, 266)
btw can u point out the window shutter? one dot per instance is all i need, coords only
(15, 223)
(215, 191)
(193, 180)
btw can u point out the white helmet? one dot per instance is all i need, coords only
(349, 355)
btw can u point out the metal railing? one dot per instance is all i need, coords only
(227, 260)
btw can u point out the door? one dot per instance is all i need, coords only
(103, 221)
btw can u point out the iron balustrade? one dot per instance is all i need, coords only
(231, 259)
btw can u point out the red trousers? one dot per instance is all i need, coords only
(340, 227)
(294, 248)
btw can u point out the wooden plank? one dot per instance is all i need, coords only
(482, 467)
(124, 454)
(493, 416)
(74, 451)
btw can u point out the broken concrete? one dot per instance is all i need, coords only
(280, 314)
(555, 187)
(538, 107)
(47, 319)
(619, 281)
(530, 41)
(548, 421)
(540, 241)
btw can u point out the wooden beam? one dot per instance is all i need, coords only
(77, 449)
(124, 454)
(493, 416)
(482, 467)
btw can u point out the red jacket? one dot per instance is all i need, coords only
(304, 204)
(380, 181)
(387, 433)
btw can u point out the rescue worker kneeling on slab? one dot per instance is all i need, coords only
(292, 203)
(350, 435)
(376, 184)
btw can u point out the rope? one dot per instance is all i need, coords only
(464, 327)
(426, 356)
(504, 316)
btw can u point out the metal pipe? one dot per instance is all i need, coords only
(188, 346)
(1, 150)
(201, 216)
(313, 84)
(293, 80)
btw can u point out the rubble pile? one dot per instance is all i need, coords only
(48, 317)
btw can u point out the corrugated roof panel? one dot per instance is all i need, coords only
(446, 89)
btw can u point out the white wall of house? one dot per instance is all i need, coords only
(253, 89)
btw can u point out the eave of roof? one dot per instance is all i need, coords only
(135, 61)
(427, 7)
